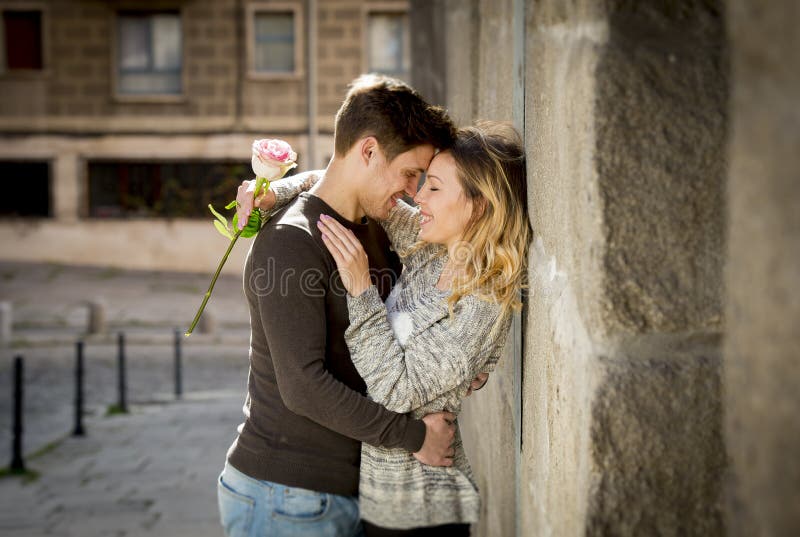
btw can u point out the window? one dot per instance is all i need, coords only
(181, 189)
(26, 188)
(388, 48)
(22, 40)
(274, 41)
(149, 53)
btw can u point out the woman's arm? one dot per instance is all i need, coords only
(289, 188)
(402, 225)
(279, 194)
(432, 362)
(437, 359)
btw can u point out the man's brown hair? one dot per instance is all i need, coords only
(394, 113)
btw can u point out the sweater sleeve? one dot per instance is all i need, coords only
(293, 317)
(289, 188)
(402, 226)
(433, 361)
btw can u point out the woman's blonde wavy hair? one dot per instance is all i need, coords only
(490, 164)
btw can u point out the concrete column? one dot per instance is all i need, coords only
(626, 129)
(762, 348)
(428, 49)
(481, 47)
(66, 187)
(461, 28)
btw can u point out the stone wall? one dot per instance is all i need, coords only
(625, 129)
(762, 400)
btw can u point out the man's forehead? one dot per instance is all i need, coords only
(417, 158)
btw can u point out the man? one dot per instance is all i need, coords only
(293, 470)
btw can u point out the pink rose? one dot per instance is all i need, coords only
(272, 158)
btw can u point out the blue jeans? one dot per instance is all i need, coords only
(253, 508)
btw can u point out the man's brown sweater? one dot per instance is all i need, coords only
(305, 413)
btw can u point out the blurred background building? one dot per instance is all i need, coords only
(120, 121)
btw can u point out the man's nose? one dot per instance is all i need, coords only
(411, 187)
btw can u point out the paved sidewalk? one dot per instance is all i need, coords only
(152, 472)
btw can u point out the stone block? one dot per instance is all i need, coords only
(95, 51)
(79, 70)
(657, 447)
(661, 126)
(202, 89)
(80, 108)
(351, 52)
(217, 109)
(94, 89)
(63, 89)
(219, 70)
(327, 32)
(347, 14)
(206, 52)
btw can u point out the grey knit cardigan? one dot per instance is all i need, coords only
(415, 358)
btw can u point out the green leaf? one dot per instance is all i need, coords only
(253, 225)
(231, 205)
(222, 219)
(223, 229)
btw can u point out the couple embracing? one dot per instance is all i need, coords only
(381, 317)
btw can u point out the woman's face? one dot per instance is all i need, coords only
(444, 206)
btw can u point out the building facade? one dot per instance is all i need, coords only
(120, 121)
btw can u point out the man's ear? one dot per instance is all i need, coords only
(368, 148)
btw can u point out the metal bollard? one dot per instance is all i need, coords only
(78, 390)
(122, 403)
(17, 464)
(178, 368)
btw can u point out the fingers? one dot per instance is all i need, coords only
(336, 247)
(479, 381)
(333, 247)
(348, 238)
(244, 202)
(449, 416)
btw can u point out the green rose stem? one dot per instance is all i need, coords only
(213, 282)
(249, 230)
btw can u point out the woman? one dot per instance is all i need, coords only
(445, 321)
